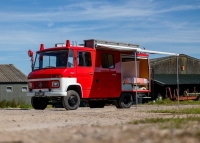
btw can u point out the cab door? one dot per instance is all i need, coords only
(71, 70)
(85, 71)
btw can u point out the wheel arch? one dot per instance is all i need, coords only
(77, 88)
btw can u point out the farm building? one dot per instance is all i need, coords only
(165, 79)
(13, 84)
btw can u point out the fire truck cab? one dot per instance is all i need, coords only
(97, 72)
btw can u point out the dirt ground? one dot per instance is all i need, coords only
(106, 125)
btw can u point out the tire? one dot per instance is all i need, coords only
(125, 100)
(39, 103)
(71, 101)
(116, 103)
(96, 104)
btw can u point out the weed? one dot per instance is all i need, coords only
(167, 101)
(169, 122)
(14, 104)
(178, 111)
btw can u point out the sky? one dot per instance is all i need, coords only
(160, 25)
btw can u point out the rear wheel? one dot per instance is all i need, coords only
(125, 100)
(39, 103)
(116, 103)
(71, 101)
(97, 104)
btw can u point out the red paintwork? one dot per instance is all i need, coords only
(105, 84)
(142, 55)
(75, 48)
(48, 73)
(96, 82)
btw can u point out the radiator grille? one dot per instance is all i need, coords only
(41, 84)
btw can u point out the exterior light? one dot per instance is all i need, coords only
(182, 68)
(55, 84)
(30, 53)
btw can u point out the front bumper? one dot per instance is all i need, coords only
(48, 94)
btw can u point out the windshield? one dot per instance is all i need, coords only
(51, 59)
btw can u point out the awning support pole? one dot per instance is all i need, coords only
(177, 79)
(136, 98)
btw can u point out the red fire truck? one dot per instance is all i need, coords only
(97, 72)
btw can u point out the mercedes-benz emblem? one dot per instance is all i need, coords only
(40, 84)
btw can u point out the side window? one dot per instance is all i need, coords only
(84, 59)
(9, 89)
(70, 60)
(107, 61)
(24, 88)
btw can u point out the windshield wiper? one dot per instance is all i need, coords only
(49, 67)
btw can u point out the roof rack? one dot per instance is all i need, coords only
(100, 44)
(109, 45)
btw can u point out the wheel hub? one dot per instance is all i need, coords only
(126, 99)
(72, 101)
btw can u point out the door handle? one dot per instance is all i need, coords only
(90, 73)
(113, 74)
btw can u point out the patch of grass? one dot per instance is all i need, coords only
(167, 101)
(14, 104)
(178, 111)
(49, 106)
(168, 122)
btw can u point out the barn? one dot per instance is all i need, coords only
(164, 78)
(13, 84)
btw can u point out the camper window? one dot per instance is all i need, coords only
(107, 61)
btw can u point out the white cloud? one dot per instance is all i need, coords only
(93, 11)
(50, 24)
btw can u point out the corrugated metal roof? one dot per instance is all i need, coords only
(171, 79)
(9, 73)
(155, 60)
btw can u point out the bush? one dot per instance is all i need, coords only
(167, 101)
(14, 104)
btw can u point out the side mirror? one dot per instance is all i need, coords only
(30, 53)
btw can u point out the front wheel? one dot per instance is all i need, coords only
(125, 100)
(39, 103)
(71, 101)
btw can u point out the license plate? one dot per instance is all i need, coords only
(39, 93)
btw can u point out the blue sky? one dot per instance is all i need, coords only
(161, 25)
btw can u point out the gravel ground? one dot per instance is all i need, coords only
(109, 124)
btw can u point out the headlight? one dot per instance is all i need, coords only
(55, 84)
(29, 85)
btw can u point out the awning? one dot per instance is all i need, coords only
(171, 79)
(134, 48)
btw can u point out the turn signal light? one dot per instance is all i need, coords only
(30, 85)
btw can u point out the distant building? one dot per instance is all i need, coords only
(167, 65)
(164, 74)
(13, 84)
